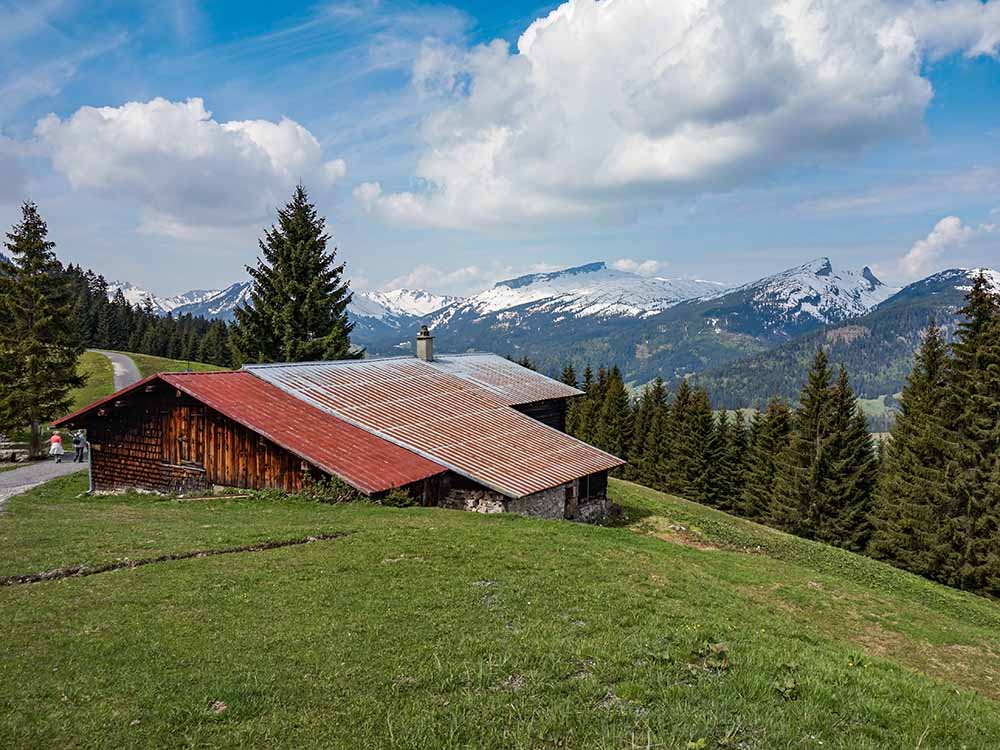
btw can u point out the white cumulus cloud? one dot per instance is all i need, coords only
(948, 235)
(186, 169)
(458, 281)
(602, 102)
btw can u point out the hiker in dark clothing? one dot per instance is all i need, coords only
(78, 445)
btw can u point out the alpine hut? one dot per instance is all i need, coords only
(469, 431)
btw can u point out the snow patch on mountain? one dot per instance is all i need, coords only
(584, 291)
(137, 296)
(401, 302)
(992, 278)
(819, 291)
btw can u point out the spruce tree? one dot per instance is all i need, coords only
(582, 418)
(736, 459)
(297, 308)
(652, 400)
(911, 496)
(568, 376)
(802, 467)
(690, 450)
(719, 476)
(650, 434)
(970, 538)
(770, 436)
(841, 511)
(615, 421)
(676, 448)
(653, 462)
(39, 345)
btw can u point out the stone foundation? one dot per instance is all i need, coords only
(480, 500)
(592, 510)
(462, 494)
(545, 504)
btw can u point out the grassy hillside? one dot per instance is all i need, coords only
(682, 628)
(149, 365)
(100, 379)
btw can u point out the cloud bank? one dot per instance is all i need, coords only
(187, 170)
(948, 235)
(603, 103)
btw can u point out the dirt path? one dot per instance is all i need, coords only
(23, 479)
(126, 372)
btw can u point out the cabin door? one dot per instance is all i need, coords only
(570, 500)
(186, 438)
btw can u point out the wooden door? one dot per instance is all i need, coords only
(184, 437)
(570, 500)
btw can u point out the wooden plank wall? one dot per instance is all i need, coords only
(169, 443)
(551, 412)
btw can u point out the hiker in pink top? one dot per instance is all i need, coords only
(56, 447)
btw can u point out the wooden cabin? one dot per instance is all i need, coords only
(469, 431)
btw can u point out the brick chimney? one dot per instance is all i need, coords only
(425, 345)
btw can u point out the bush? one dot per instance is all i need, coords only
(397, 498)
(328, 490)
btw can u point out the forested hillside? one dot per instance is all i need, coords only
(877, 348)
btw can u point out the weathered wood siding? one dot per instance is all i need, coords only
(551, 412)
(168, 442)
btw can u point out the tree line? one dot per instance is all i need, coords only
(103, 321)
(926, 500)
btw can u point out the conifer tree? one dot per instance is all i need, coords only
(719, 476)
(802, 466)
(674, 470)
(911, 496)
(841, 512)
(297, 309)
(970, 538)
(526, 362)
(652, 400)
(770, 436)
(568, 376)
(736, 458)
(690, 449)
(653, 461)
(615, 421)
(581, 421)
(39, 345)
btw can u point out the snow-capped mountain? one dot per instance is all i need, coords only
(992, 278)
(138, 296)
(402, 302)
(390, 308)
(894, 329)
(809, 294)
(592, 290)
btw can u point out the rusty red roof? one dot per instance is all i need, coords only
(359, 457)
(449, 418)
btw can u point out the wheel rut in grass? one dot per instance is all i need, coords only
(80, 571)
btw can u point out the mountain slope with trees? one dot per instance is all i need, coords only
(877, 348)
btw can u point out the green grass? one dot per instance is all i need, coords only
(437, 629)
(100, 380)
(150, 365)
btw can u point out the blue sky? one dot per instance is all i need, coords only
(452, 145)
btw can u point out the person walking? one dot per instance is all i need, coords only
(56, 447)
(78, 447)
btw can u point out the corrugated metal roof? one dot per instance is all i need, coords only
(361, 458)
(452, 420)
(509, 380)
